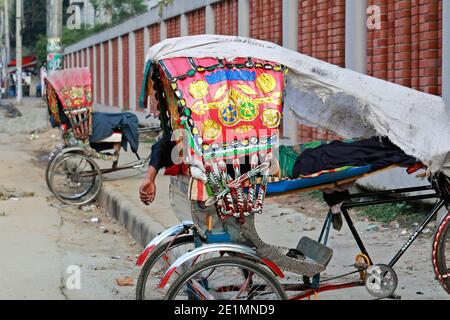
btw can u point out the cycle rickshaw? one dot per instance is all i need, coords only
(222, 99)
(73, 174)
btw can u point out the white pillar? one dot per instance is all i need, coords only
(210, 20)
(95, 75)
(184, 25)
(244, 18)
(88, 57)
(79, 58)
(146, 41)
(356, 35)
(290, 41)
(290, 24)
(83, 59)
(120, 71)
(132, 69)
(446, 52)
(163, 30)
(110, 73)
(102, 73)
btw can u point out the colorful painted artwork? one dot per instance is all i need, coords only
(228, 107)
(73, 87)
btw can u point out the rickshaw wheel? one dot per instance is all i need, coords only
(204, 282)
(166, 254)
(441, 253)
(75, 179)
(51, 162)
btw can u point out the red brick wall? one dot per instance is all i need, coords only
(155, 36)
(91, 68)
(321, 34)
(226, 17)
(173, 27)
(196, 22)
(154, 33)
(115, 72)
(407, 49)
(322, 30)
(266, 20)
(126, 72)
(139, 35)
(106, 73)
(440, 48)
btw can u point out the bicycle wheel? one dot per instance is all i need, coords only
(226, 278)
(52, 160)
(441, 253)
(50, 164)
(157, 264)
(75, 179)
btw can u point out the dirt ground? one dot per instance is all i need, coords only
(42, 241)
(284, 224)
(284, 221)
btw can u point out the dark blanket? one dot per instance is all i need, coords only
(105, 124)
(377, 152)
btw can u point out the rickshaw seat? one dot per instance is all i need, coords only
(285, 186)
(116, 137)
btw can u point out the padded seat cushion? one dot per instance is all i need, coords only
(114, 138)
(304, 183)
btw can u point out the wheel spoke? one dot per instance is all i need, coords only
(226, 278)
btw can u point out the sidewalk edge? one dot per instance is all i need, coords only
(139, 224)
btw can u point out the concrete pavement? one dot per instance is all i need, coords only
(41, 241)
(57, 236)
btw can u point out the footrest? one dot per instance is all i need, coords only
(315, 251)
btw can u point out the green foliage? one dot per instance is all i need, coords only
(34, 23)
(120, 9)
(73, 36)
(403, 212)
(41, 49)
(162, 5)
(314, 195)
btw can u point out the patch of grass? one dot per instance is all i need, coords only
(313, 195)
(147, 138)
(404, 213)
(150, 140)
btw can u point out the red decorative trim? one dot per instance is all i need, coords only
(434, 252)
(273, 267)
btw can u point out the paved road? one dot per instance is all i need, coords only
(41, 241)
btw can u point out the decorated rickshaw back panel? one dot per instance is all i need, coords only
(71, 90)
(228, 108)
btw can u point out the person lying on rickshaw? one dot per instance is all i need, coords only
(377, 152)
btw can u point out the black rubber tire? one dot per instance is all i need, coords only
(440, 244)
(233, 261)
(95, 186)
(52, 161)
(152, 259)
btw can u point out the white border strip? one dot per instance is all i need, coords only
(135, 23)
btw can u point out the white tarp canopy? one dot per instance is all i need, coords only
(349, 103)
